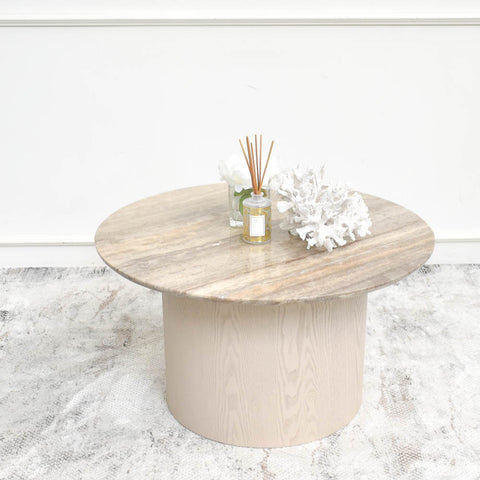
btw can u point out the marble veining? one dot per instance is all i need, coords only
(82, 389)
(180, 242)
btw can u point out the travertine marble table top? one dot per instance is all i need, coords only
(180, 242)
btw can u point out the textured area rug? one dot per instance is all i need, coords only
(82, 387)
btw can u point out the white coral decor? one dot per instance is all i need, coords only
(325, 215)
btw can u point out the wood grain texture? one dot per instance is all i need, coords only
(180, 242)
(264, 375)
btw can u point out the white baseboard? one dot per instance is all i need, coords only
(49, 256)
(75, 255)
(456, 252)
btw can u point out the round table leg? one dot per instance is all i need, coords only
(264, 375)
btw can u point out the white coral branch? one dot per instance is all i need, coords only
(323, 214)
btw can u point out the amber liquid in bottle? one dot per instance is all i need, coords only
(257, 219)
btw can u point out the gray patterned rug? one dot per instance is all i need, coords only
(82, 391)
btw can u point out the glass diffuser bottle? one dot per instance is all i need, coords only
(257, 210)
(257, 219)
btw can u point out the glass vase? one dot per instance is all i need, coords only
(235, 214)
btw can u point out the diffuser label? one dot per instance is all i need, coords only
(257, 225)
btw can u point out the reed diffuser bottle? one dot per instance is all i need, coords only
(257, 210)
(257, 219)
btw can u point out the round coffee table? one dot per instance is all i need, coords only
(264, 344)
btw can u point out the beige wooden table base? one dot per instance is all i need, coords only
(264, 375)
(264, 344)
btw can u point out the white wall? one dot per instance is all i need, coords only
(92, 118)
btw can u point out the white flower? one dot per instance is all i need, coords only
(322, 214)
(235, 172)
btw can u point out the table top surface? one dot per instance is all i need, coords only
(180, 242)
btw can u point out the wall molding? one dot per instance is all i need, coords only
(85, 255)
(200, 22)
(87, 241)
(20, 13)
(260, 22)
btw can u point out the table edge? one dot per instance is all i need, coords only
(322, 298)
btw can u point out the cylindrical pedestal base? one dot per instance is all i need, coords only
(264, 375)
